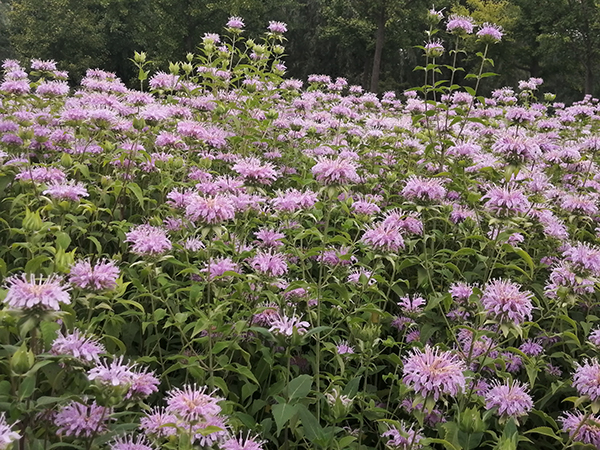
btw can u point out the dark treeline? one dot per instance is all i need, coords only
(370, 42)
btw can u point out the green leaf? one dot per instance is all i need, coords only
(34, 264)
(299, 387)
(312, 429)
(282, 413)
(137, 191)
(63, 240)
(546, 431)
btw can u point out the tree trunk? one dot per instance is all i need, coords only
(379, 38)
(589, 77)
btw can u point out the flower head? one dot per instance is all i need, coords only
(434, 49)
(131, 443)
(286, 325)
(511, 399)
(581, 427)
(192, 403)
(586, 379)
(25, 291)
(434, 373)
(490, 33)
(148, 240)
(403, 438)
(460, 24)
(77, 345)
(7, 435)
(241, 443)
(103, 275)
(277, 27)
(335, 171)
(66, 190)
(81, 420)
(504, 301)
(235, 22)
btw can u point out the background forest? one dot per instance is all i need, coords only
(370, 42)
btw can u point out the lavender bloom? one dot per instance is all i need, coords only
(270, 238)
(419, 188)
(434, 49)
(594, 337)
(504, 301)
(80, 420)
(335, 171)
(582, 428)
(115, 373)
(192, 403)
(411, 305)
(233, 443)
(148, 240)
(235, 22)
(294, 200)
(211, 210)
(7, 435)
(218, 267)
(266, 262)
(131, 443)
(403, 438)
(25, 291)
(586, 379)
(156, 423)
(531, 348)
(511, 399)
(286, 325)
(343, 348)
(434, 373)
(103, 275)
(490, 33)
(253, 169)
(383, 237)
(460, 24)
(77, 345)
(506, 201)
(277, 27)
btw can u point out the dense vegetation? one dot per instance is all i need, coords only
(235, 260)
(372, 43)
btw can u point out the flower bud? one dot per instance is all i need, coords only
(22, 360)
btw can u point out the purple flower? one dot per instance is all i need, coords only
(594, 337)
(490, 33)
(583, 256)
(531, 348)
(41, 174)
(103, 275)
(383, 237)
(253, 169)
(192, 403)
(7, 435)
(77, 345)
(581, 427)
(506, 201)
(115, 373)
(148, 240)
(294, 200)
(335, 171)
(403, 438)
(277, 27)
(235, 22)
(343, 348)
(427, 189)
(211, 210)
(411, 305)
(234, 443)
(286, 325)
(504, 301)
(460, 24)
(269, 263)
(461, 291)
(434, 373)
(586, 379)
(131, 443)
(162, 80)
(511, 399)
(159, 423)
(25, 291)
(434, 49)
(218, 266)
(270, 238)
(81, 420)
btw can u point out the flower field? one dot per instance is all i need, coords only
(228, 259)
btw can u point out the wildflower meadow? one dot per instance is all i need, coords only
(225, 258)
